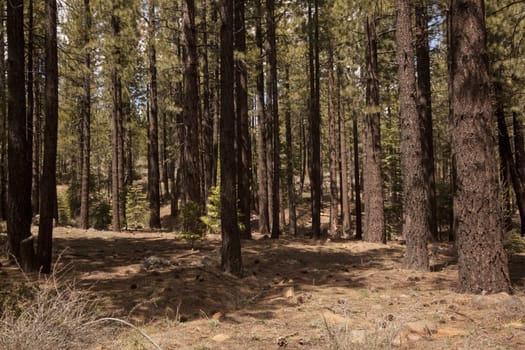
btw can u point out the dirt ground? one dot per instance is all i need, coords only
(295, 294)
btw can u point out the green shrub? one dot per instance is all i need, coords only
(136, 207)
(193, 228)
(64, 213)
(212, 219)
(99, 212)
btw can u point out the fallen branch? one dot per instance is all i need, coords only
(129, 325)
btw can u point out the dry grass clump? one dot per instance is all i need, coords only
(47, 314)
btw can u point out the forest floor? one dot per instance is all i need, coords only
(295, 294)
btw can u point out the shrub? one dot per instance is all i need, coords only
(99, 212)
(136, 207)
(212, 219)
(193, 229)
(64, 212)
(47, 315)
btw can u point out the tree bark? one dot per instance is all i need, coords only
(3, 121)
(416, 197)
(30, 91)
(483, 265)
(154, 178)
(519, 145)
(86, 121)
(315, 119)
(292, 215)
(241, 114)
(262, 171)
(374, 225)
(116, 95)
(509, 168)
(48, 182)
(332, 147)
(357, 183)
(231, 261)
(19, 150)
(191, 171)
(273, 106)
(343, 151)
(425, 112)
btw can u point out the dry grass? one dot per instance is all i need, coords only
(48, 314)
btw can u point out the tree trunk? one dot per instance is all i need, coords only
(30, 83)
(332, 146)
(509, 166)
(154, 179)
(210, 158)
(483, 265)
(86, 121)
(48, 183)
(425, 112)
(19, 145)
(343, 151)
(416, 198)
(373, 193)
(3, 121)
(116, 96)
(243, 132)
(292, 216)
(262, 171)
(315, 119)
(357, 183)
(191, 173)
(273, 107)
(519, 145)
(231, 261)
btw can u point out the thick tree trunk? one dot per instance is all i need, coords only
(425, 112)
(332, 147)
(483, 265)
(292, 216)
(153, 129)
(191, 170)
(262, 171)
(86, 122)
(116, 96)
(416, 198)
(19, 149)
(231, 261)
(48, 184)
(241, 114)
(374, 225)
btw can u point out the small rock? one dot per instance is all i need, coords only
(217, 316)
(289, 292)
(282, 342)
(219, 338)
(414, 331)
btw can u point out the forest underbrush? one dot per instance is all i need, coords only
(113, 290)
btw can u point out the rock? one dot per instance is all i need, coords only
(217, 316)
(289, 292)
(489, 301)
(220, 338)
(155, 262)
(282, 342)
(414, 331)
